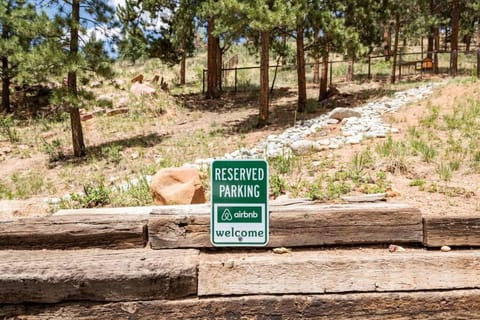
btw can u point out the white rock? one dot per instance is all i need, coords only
(354, 139)
(445, 248)
(324, 142)
(303, 146)
(332, 121)
(343, 113)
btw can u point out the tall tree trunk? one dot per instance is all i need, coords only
(437, 48)
(395, 47)
(264, 88)
(445, 44)
(5, 86)
(430, 44)
(211, 61)
(350, 69)
(431, 34)
(302, 85)
(77, 133)
(468, 42)
(323, 94)
(316, 57)
(219, 64)
(387, 41)
(183, 63)
(454, 39)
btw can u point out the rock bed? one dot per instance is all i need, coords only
(356, 123)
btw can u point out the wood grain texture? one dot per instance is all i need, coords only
(434, 305)
(298, 225)
(96, 275)
(75, 231)
(120, 210)
(452, 231)
(337, 271)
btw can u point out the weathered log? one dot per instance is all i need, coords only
(119, 210)
(433, 305)
(336, 271)
(75, 231)
(297, 225)
(452, 231)
(96, 275)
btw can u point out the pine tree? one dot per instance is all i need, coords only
(133, 44)
(264, 16)
(455, 33)
(22, 32)
(69, 16)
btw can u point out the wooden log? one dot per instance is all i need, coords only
(96, 275)
(433, 305)
(298, 225)
(75, 231)
(452, 231)
(118, 211)
(331, 271)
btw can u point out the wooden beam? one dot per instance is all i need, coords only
(75, 231)
(452, 231)
(96, 275)
(119, 210)
(297, 225)
(433, 305)
(336, 271)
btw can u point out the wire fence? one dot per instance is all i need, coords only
(413, 65)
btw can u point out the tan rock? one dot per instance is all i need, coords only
(139, 89)
(445, 248)
(177, 186)
(114, 112)
(86, 116)
(395, 248)
(138, 78)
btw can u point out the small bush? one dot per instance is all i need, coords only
(7, 129)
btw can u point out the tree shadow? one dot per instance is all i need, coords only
(283, 113)
(112, 149)
(228, 101)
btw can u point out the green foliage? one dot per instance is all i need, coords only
(112, 153)
(431, 120)
(7, 129)
(278, 185)
(418, 183)
(53, 150)
(134, 193)
(5, 192)
(282, 164)
(92, 196)
(444, 171)
(428, 152)
(27, 184)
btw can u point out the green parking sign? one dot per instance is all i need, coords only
(239, 197)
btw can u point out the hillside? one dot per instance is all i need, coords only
(428, 161)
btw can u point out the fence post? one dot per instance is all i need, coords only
(236, 79)
(331, 69)
(203, 81)
(369, 68)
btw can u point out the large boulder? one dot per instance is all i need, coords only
(140, 89)
(177, 186)
(343, 113)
